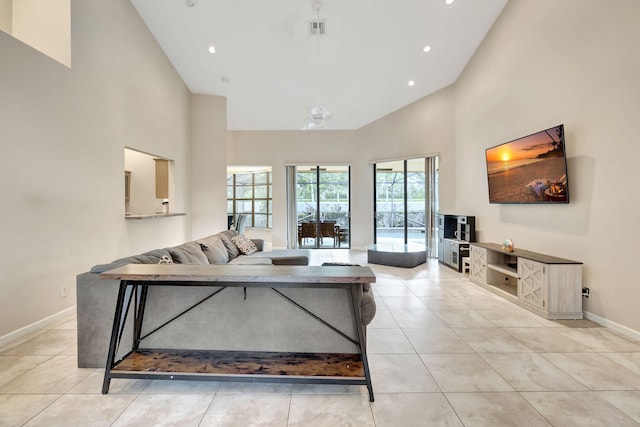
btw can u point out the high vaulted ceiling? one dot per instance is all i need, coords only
(271, 70)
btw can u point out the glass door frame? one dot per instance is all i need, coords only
(431, 198)
(405, 201)
(318, 212)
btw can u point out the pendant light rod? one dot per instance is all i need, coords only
(317, 5)
(318, 115)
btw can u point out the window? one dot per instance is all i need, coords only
(250, 192)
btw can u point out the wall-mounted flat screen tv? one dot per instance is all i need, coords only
(531, 169)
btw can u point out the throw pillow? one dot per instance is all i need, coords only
(165, 260)
(244, 244)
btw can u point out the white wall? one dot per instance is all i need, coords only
(574, 62)
(63, 134)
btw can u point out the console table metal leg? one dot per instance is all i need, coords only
(113, 344)
(139, 316)
(362, 339)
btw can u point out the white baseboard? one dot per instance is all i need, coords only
(626, 331)
(16, 335)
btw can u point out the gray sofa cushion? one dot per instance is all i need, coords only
(232, 249)
(188, 253)
(368, 303)
(247, 260)
(259, 244)
(214, 249)
(285, 256)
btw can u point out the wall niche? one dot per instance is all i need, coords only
(148, 188)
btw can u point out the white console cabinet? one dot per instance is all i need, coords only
(546, 285)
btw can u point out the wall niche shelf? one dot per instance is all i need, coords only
(155, 215)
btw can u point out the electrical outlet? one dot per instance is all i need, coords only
(64, 292)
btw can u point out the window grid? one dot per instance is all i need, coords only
(239, 197)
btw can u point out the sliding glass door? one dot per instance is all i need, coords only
(390, 202)
(417, 208)
(405, 201)
(323, 206)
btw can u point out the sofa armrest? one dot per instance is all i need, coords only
(259, 244)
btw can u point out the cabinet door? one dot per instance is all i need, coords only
(478, 264)
(532, 282)
(455, 255)
(446, 245)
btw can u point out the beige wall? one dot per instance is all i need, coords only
(208, 165)
(276, 149)
(63, 134)
(544, 62)
(424, 127)
(6, 15)
(44, 25)
(573, 62)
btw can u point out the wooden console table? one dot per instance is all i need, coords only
(217, 365)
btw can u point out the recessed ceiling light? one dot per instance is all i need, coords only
(212, 49)
(427, 48)
(448, 2)
(190, 3)
(411, 83)
(224, 79)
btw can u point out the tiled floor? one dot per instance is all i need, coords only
(442, 352)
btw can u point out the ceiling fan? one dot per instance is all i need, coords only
(317, 120)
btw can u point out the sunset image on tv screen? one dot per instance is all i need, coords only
(529, 170)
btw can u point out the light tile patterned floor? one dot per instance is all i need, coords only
(443, 352)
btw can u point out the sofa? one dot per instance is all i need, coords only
(253, 319)
(216, 249)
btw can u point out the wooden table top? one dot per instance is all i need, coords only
(534, 256)
(241, 273)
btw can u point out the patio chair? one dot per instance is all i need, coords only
(241, 223)
(306, 230)
(329, 229)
